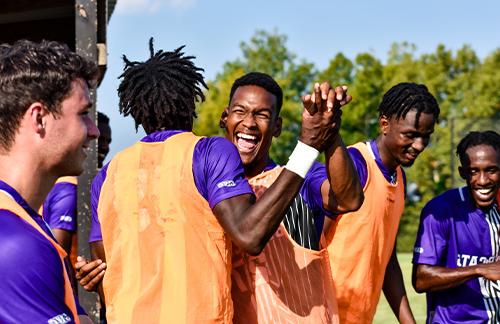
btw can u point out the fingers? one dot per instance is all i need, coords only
(90, 275)
(308, 104)
(330, 103)
(80, 262)
(94, 282)
(317, 96)
(88, 267)
(325, 98)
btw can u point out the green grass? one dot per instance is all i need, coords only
(384, 313)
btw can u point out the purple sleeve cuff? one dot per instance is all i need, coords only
(359, 164)
(218, 171)
(95, 192)
(59, 209)
(311, 189)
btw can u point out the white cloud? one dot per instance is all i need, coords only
(137, 6)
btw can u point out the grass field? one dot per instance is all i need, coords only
(417, 301)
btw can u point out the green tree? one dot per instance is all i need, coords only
(265, 52)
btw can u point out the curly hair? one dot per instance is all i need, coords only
(472, 139)
(161, 92)
(36, 72)
(406, 96)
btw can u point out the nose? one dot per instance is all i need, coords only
(249, 120)
(92, 130)
(419, 144)
(483, 179)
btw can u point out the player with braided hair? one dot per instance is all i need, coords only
(167, 209)
(362, 243)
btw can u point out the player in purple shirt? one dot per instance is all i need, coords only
(160, 94)
(44, 133)
(60, 207)
(456, 255)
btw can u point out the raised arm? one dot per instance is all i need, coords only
(251, 226)
(342, 192)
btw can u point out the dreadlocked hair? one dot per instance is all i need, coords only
(161, 92)
(406, 96)
(472, 139)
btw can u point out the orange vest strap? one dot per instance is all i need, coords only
(7, 203)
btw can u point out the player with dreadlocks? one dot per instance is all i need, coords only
(456, 255)
(362, 243)
(166, 209)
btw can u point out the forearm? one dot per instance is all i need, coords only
(434, 278)
(64, 238)
(346, 193)
(395, 292)
(251, 226)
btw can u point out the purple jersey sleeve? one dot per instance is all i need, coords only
(311, 188)
(218, 170)
(59, 209)
(32, 282)
(359, 164)
(95, 192)
(431, 243)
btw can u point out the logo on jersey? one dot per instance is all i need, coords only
(226, 183)
(418, 249)
(59, 319)
(65, 218)
(466, 260)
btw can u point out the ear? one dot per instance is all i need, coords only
(384, 124)
(277, 127)
(223, 118)
(36, 117)
(462, 173)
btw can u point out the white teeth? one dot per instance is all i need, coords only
(246, 136)
(484, 191)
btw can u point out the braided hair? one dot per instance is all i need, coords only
(406, 96)
(161, 92)
(472, 139)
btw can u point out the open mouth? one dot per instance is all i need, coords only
(484, 192)
(245, 142)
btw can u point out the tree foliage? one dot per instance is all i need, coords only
(466, 87)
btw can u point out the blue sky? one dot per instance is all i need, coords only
(316, 30)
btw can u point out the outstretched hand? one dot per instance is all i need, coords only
(321, 117)
(324, 97)
(89, 274)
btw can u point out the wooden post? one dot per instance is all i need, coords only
(86, 46)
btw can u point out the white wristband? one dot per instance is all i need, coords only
(301, 159)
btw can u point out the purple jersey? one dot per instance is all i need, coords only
(217, 170)
(32, 283)
(360, 164)
(454, 233)
(59, 208)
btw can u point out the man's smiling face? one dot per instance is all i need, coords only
(251, 122)
(481, 171)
